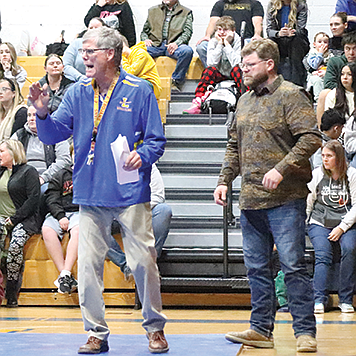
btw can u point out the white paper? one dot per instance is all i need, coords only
(120, 150)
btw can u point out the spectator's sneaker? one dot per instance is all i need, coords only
(128, 274)
(319, 308)
(63, 284)
(193, 110)
(346, 308)
(176, 87)
(73, 283)
(306, 343)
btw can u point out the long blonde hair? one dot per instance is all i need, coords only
(292, 18)
(17, 102)
(15, 68)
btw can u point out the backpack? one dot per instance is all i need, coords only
(223, 98)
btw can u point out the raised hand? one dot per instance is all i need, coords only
(39, 98)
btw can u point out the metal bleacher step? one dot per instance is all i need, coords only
(208, 237)
(195, 132)
(198, 208)
(201, 119)
(193, 155)
(171, 167)
(190, 182)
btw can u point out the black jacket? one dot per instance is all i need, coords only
(59, 194)
(56, 96)
(24, 190)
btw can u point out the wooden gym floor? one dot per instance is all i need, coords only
(336, 331)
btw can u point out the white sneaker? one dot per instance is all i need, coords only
(318, 308)
(346, 308)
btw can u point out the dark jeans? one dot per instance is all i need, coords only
(284, 226)
(183, 54)
(324, 253)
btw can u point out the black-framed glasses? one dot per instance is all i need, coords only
(90, 51)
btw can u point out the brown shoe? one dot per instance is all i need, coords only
(94, 346)
(251, 338)
(157, 342)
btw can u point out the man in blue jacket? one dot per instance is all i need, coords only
(122, 105)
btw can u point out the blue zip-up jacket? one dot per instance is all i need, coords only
(132, 112)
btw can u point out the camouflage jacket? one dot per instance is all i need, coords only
(274, 128)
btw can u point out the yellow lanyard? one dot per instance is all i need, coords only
(98, 115)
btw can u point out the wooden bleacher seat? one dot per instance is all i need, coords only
(26, 87)
(166, 66)
(34, 65)
(40, 271)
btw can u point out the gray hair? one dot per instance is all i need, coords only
(106, 37)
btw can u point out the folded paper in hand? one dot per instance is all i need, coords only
(120, 150)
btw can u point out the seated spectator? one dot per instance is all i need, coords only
(47, 159)
(224, 56)
(8, 66)
(161, 219)
(74, 68)
(331, 207)
(118, 8)
(56, 83)
(249, 12)
(166, 32)
(315, 63)
(63, 217)
(333, 70)
(349, 7)
(286, 21)
(342, 97)
(32, 43)
(332, 124)
(138, 62)
(13, 111)
(20, 196)
(58, 46)
(338, 26)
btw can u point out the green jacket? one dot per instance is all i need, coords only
(180, 27)
(333, 71)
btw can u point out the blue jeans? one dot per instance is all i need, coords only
(161, 220)
(183, 54)
(284, 226)
(202, 49)
(324, 260)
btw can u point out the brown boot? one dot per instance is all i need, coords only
(157, 342)
(94, 346)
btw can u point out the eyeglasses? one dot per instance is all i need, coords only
(3, 90)
(250, 65)
(90, 51)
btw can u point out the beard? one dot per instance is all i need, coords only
(254, 82)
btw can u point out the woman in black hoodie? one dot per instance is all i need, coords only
(119, 8)
(19, 202)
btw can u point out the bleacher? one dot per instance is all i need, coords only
(34, 66)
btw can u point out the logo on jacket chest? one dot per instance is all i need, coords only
(124, 105)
